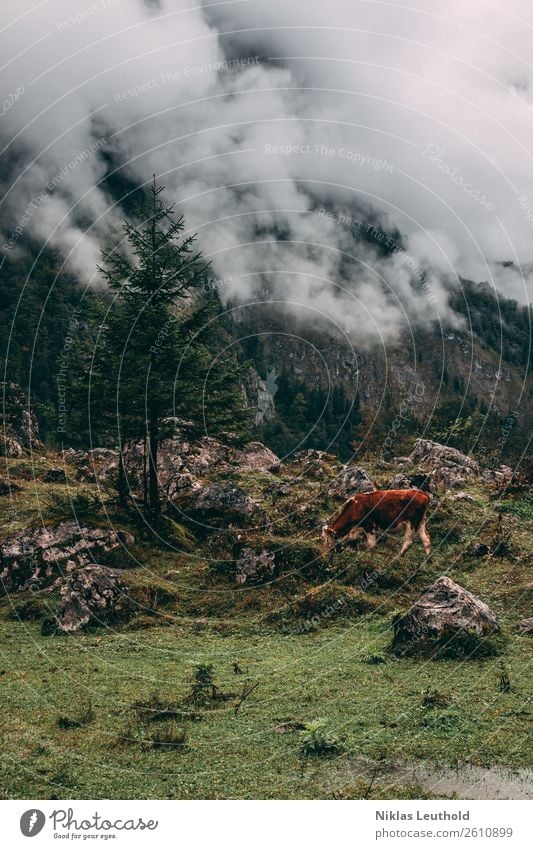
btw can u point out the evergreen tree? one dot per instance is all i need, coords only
(151, 359)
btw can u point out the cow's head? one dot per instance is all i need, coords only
(328, 537)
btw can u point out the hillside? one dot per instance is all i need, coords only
(202, 677)
(458, 385)
(179, 621)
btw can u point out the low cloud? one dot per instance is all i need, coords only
(258, 117)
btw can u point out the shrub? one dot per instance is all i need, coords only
(204, 689)
(318, 741)
(505, 681)
(49, 627)
(59, 504)
(204, 692)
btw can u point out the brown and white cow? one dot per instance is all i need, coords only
(386, 510)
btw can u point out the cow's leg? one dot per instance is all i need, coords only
(408, 538)
(424, 538)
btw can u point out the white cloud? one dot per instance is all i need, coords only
(423, 118)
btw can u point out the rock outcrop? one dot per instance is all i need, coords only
(98, 464)
(255, 566)
(446, 614)
(36, 558)
(183, 465)
(260, 394)
(258, 563)
(221, 504)
(91, 593)
(351, 479)
(450, 467)
(19, 431)
(422, 481)
(314, 464)
(255, 455)
(500, 476)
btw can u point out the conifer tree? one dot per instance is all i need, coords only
(152, 358)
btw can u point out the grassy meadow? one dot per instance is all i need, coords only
(212, 689)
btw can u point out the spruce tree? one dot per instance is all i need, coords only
(152, 354)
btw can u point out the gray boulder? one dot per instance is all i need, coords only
(253, 566)
(91, 593)
(98, 464)
(183, 464)
(422, 481)
(444, 613)
(314, 464)
(36, 558)
(224, 501)
(450, 467)
(351, 479)
(254, 456)
(463, 496)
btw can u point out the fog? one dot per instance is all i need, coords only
(283, 132)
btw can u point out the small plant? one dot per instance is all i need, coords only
(204, 691)
(501, 544)
(434, 698)
(49, 627)
(64, 505)
(505, 681)
(318, 741)
(66, 722)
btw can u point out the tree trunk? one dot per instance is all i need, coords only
(153, 483)
(145, 468)
(122, 482)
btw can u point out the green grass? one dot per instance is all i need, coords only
(315, 646)
(377, 710)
